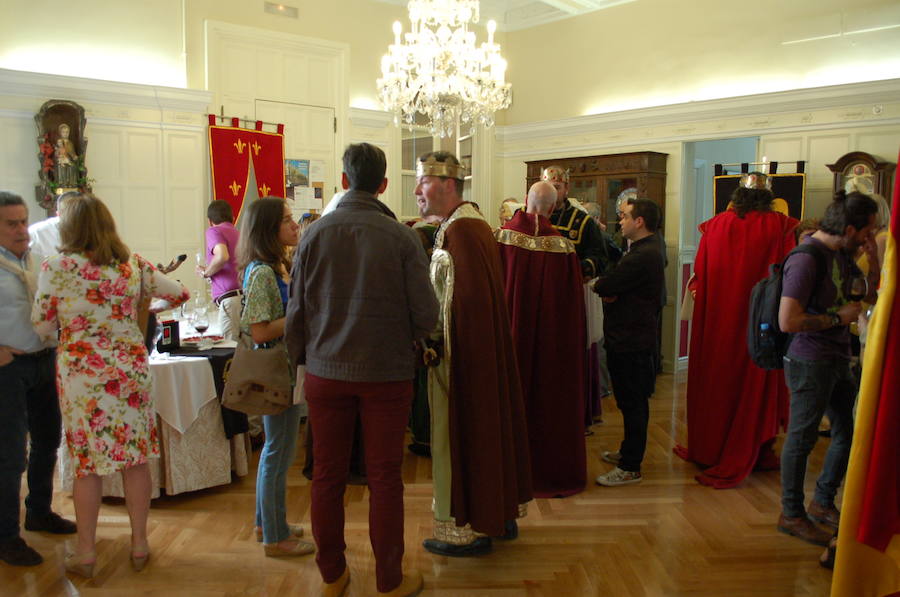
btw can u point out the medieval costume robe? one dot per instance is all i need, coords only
(734, 408)
(574, 223)
(545, 296)
(479, 442)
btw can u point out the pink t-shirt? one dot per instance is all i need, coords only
(225, 279)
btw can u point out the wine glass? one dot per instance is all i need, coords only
(859, 288)
(200, 322)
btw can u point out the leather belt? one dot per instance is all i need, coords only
(229, 294)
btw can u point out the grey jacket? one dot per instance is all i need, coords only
(360, 295)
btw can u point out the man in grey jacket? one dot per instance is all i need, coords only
(360, 299)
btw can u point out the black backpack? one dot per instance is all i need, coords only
(766, 343)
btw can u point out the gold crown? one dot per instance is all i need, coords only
(432, 167)
(555, 174)
(756, 180)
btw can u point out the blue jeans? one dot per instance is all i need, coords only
(274, 460)
(28, 405)
(817, 388)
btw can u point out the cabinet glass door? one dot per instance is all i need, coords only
(585, 190)
(614, 188)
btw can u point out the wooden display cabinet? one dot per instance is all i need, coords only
(601, 178)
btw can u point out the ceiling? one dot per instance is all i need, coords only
(514, 15)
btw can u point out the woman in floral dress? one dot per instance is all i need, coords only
(267, 231)
(90, 293)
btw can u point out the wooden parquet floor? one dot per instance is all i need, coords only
(666, 536)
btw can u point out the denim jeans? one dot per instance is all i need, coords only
(817, 388)
(28, 405)
(633, 382)
(271, 477)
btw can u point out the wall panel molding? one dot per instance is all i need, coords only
(840, 106)
(28, 84)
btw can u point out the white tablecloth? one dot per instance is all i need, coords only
(195, 452)
(181, 387)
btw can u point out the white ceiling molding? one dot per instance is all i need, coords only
(39, 85)
(374, 119)
(515, 15)
(874, 93)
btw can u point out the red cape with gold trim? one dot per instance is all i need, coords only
(734, 408)
(491, 474)
(544, 293)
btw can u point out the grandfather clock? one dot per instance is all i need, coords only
(861, 171)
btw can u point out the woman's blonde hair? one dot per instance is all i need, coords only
(87, 227)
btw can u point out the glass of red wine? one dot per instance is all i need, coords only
(200, 322)
(859, 288)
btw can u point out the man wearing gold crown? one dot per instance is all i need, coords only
(575, 223)
(479, 443)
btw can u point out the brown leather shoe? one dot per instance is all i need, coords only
(825, 514)
(410, 586)
(337, 588)
(803, 528)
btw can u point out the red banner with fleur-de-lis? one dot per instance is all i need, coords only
(231, 152)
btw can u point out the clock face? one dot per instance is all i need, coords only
(858, 177)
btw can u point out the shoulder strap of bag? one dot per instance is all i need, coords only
(818, 255)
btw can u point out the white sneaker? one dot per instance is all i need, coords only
(611, 457)
(617, 477)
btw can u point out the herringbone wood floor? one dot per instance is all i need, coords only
(667, 536)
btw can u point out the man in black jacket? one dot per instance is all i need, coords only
(631, 294)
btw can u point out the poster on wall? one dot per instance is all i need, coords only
(304, 184)
(789, 191)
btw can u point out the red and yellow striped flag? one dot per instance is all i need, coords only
(868, 552)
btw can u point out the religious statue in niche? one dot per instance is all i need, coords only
(62, 146)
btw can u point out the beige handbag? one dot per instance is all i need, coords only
(258, 382)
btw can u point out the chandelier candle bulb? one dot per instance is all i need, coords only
(440, 71)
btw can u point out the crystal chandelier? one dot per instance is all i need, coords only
(438, 70)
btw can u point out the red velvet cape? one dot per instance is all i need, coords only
(545, 297)
(734, 408)
(490, 471)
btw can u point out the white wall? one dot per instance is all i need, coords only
(660, 52)
(146, 153)
(162, 41)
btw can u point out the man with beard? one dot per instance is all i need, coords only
(479, 443)
(817, 365)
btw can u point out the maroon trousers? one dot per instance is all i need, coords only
(384, 410)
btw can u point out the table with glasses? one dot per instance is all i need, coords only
(196, 451)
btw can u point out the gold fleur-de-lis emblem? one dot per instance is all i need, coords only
(256, 147)
(239, 145)
(235, 187)
(264, 190)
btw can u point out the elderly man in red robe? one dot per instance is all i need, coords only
(546, 305)
(479, 441)
(732, 419)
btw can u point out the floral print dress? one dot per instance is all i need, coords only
(102, 372)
